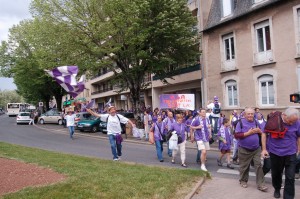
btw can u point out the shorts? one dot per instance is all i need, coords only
(224, 151)
(203, 145)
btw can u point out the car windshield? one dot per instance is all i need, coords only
(92, 118)
(24, 114)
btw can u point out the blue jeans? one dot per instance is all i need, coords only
(116, 149)
(71, 131)
(159, 149)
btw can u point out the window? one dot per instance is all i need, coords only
(262, 34)
(227, 7)
(266, 90)
(297, 28)
(228, 42)
(228, 52)
(231, 92)
(263, 37)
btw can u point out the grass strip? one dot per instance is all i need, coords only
(96, 178)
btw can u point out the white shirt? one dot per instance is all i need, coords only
(70, 119)
(211, 106)
(113, 123)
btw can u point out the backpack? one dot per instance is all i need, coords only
(217, 108)
(123, 126)
(274, 125)
(239, 121)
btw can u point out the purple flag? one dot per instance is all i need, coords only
(66, 77)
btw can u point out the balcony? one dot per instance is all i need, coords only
(264, 57)
(228, 65)
(298, 50)
(101, 91)
(180, 71)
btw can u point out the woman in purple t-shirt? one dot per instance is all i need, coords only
(179, 127)
(225, 138)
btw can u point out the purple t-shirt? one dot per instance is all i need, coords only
(158, 130)
(179, 128)
(227, 136)
(288, 144)
(201, 134)
(250, 142)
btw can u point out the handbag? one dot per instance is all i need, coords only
(119, 139)
(151, 137)
(163, 136)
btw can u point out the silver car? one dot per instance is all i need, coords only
(51, 117)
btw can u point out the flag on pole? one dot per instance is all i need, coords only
(108, 103)
(91, 104)
(66, 77)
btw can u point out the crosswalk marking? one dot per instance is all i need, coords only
(236, 172)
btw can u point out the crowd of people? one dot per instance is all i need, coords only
(246, 135)
(243, 134)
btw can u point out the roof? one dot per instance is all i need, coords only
(241, 8)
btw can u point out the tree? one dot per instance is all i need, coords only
(8, 96)
(130, 37)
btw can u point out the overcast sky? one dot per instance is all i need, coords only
(11, 13)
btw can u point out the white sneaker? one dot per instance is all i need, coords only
(116, 159)
(203, 168)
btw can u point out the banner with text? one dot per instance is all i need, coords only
(177, 101)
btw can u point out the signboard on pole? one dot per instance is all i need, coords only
(177, 101)
(41, 104)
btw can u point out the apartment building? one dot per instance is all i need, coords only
(187, 80)
(251, 52)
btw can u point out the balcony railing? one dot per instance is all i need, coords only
(228, 65)
(101, 73)
(101, 91)
(263, 57)
(180, 71)
(298, 50)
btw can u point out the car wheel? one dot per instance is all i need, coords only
(42, 121)
(60, 122)
(94, 129)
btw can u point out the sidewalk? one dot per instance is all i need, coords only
(218, 187)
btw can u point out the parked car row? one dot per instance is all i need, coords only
(84, 121)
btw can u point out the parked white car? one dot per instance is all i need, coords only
(23, 118)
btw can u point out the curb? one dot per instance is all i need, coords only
(196, 188)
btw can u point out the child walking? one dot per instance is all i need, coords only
(225, 138)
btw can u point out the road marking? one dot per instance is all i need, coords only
(236, 172)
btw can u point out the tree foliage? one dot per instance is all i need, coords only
(7, 96)
(130, 37)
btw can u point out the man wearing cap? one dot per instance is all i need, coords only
(283, 152)
(114, 129)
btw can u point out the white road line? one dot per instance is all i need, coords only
(236, 172)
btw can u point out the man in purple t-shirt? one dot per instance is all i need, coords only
(247, 134)
(201, 132)
(283, 153)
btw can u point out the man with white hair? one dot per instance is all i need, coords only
(247, 132)
(283, 151)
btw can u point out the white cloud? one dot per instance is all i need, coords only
(11, 13)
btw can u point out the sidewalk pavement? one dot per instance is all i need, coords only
(219, 187)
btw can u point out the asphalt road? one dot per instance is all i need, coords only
(56, 138)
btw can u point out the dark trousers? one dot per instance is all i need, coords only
(278, 163)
